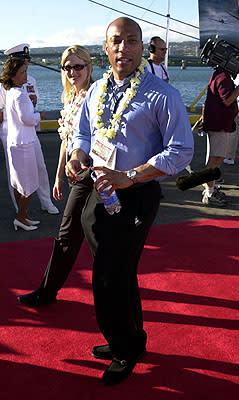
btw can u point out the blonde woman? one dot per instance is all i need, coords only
(76, 80)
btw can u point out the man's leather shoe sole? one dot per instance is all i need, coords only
(35, 299)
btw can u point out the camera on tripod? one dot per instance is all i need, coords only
(219, 53)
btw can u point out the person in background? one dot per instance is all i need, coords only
(137, 132)
(234, 137)
(43, 191)
(76, 72)
(220, 110)
(233, 145)
(157, 49)
(24, 177)
(76, 69)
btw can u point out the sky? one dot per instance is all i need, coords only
(47, 23)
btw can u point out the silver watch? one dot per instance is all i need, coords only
(131, 174)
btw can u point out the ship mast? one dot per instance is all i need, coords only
(167, 33)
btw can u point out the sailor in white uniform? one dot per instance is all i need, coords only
(43, 192)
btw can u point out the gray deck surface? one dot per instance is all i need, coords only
(176, 206)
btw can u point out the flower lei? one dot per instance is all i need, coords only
(65, 129)
(128, 95)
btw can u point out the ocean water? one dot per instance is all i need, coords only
(190, 82)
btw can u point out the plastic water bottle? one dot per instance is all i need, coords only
(111, 203)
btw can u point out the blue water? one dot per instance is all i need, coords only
(190, 83)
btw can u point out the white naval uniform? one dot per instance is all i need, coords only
(43, 190)
(21, 138)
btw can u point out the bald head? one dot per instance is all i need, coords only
(124, 21)
(124, 46)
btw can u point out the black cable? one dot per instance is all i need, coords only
(40, 65)
(45, 66)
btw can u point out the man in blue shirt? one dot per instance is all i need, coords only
(136, 130)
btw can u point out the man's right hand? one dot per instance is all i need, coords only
(71, 169)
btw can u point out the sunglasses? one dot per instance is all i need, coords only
(77, 67)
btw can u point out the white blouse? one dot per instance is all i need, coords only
(21, 118)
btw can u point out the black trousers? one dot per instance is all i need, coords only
(69, 239)
(117, 242)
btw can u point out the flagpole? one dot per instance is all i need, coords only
(167, 33)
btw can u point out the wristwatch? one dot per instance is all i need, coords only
(131, 174)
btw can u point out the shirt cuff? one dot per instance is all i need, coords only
(79, 144)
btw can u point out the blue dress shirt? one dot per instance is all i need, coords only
(154, 128)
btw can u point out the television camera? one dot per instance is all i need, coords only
(219, 53)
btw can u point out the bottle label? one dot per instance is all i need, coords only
(109, 201)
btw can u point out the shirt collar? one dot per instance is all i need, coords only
(122, 83)
(125, 81)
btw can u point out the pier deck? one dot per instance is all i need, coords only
(176, 206)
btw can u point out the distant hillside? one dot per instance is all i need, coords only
(183, 48)
(60, 49)
(52, 55)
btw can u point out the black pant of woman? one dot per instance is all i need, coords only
(117, 242)
(66, 245)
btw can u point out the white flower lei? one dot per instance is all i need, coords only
(65, 129)
(128, 95)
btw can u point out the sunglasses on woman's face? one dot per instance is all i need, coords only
(77, 67)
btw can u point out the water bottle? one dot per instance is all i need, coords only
(111, 203)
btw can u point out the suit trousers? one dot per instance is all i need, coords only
(117, 242)
(70, 237)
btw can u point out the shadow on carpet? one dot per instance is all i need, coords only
(189, 280)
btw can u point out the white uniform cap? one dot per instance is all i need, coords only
(21, 50)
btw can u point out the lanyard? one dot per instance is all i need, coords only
(117, 100)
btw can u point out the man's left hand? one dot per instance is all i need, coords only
(114, 178)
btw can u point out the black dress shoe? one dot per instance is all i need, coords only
(118, 371)
(102, 352)
(36, 299)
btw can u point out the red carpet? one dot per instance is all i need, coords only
(190, 288)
